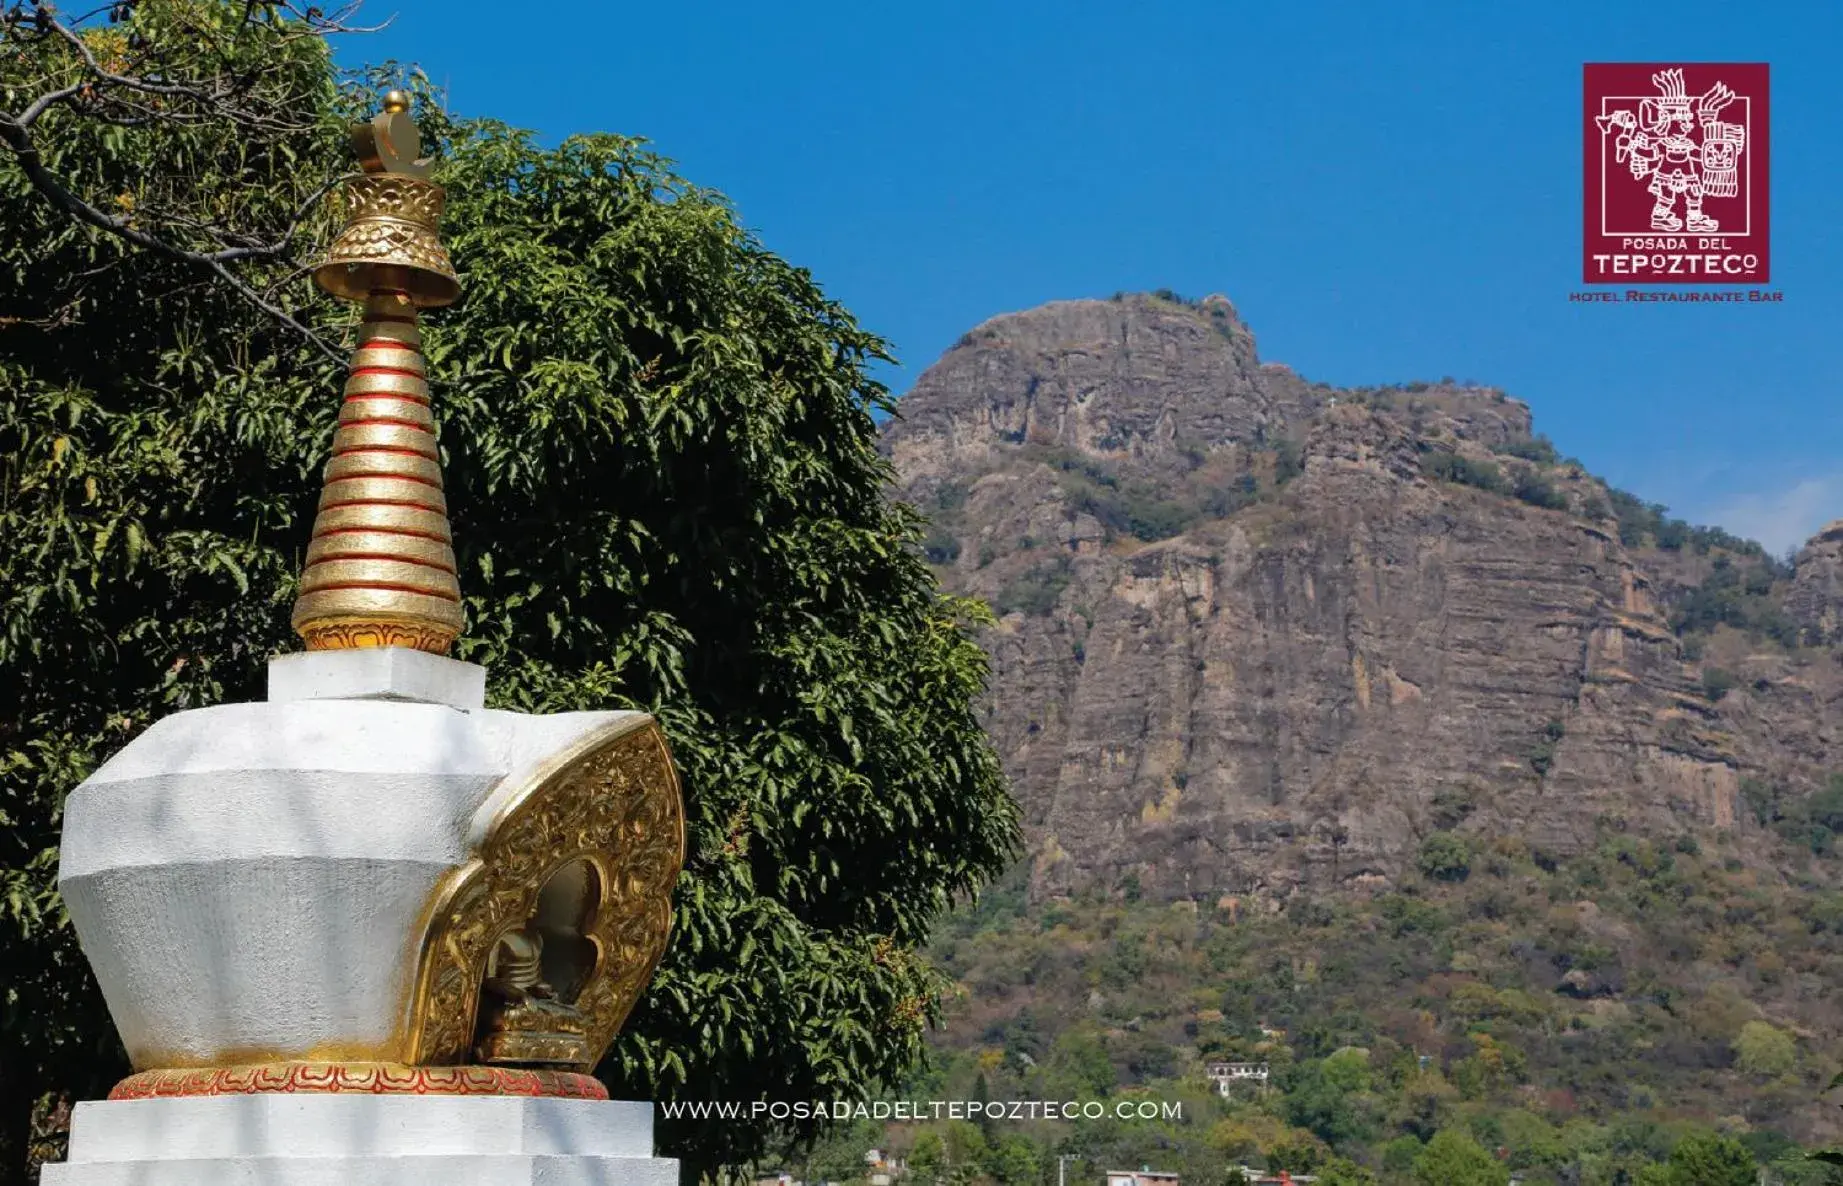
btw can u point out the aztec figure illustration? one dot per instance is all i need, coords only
(1683, 147)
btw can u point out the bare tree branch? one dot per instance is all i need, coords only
(134, 84)
(276, 311)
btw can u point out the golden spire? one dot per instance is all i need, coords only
(380, 570)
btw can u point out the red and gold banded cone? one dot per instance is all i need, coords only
(380, 570)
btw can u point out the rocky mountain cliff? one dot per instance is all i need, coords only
(1258, 633)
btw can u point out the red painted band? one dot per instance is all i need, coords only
(382, 530)
(394, 449)
(388, 586)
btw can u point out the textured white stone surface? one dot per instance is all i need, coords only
(250, 882)
(362, 1140)
(188, 1128)
(377, 673)
(373, 1171)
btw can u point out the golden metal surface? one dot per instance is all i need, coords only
(393, 409)
(524, 1019)
(374, 434)
(380, 570)
(387, 576)
(520, 1046)
(328, 634)
(376, 463)
(382, 492)
(397, 356)
(357, 1078)
(385, 383)
(390, 141)
(411, 520)
(393, 606)
(391, 222)
(610, 802)
(365, 545)
(404, 333)
(392, 214)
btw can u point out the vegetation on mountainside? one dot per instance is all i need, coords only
(1216, 484)
(1810, 821)
(1643, 1013)
(1654, 1012)
(662, 465)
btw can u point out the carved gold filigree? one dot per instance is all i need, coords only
(357, 1078)
(382, 241)
(512, 1046)
(392, 214)
(384, 195)
(341, 636)
(611, 802)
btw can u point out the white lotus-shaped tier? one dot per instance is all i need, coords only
(254, 882)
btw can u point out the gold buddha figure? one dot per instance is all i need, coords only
(527, 1001)
(523, 1020)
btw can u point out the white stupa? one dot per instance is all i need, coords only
(370, 931)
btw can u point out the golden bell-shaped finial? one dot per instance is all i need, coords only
(393, 211)
(380, 569)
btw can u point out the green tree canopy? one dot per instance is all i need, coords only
(1762, 1048)
(1705, 1159)
(1347, 1068)
(663, 473)
(1445, 857)
(1340, 1171)
(1453, 1158)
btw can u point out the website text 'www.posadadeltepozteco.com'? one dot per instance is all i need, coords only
(1133, 1109)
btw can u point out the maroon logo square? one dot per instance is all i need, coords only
(1676, 173)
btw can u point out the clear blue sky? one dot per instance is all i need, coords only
(1387, 191)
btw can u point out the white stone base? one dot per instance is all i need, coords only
(361, 1140)
(377, 673)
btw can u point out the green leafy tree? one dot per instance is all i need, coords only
(1797, 1169)
(1706, 1159)
(1347, 1069)
(661, 459)
(1297, 1153)
(982, 1095)
(1399, 1155)
(928, 1156)
(178, 71)
(1078, 1063)
(1764, 1049)
(1453, 1158)
(1423, 1104)
(1315, 1102)
(1014, 1159)
(1532, 1140)
(1445, 857)
(1826, 806)
(1341, 1171)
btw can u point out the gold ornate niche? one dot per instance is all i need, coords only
(605, 814)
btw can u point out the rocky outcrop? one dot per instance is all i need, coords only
(1304, 687)
(1136, 379)
(1815, 601)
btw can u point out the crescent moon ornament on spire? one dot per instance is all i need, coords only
(390, 142)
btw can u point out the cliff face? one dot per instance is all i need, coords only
(1815, 600)
(1257, 632)
(1139, 379)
